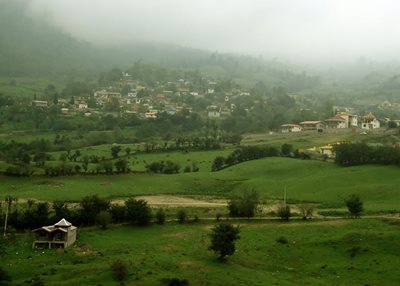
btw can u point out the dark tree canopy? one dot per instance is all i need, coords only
(245, 205)
(354, 205)
(223, 238)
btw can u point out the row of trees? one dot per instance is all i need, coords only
(244, 154)
(361, 154)
(91, 210)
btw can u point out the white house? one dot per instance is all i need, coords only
(287, 128)
(336, 122)
(370, 122)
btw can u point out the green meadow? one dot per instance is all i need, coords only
(336, 252)
(310, 181)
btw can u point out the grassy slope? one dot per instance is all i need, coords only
(318, 253)
(311, 181)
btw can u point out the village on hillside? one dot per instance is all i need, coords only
(131, 97)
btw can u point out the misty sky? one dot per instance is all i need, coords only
(294, 30)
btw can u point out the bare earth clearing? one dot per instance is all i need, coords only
(175, 201)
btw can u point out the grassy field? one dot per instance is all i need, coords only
(26, 87)
(138, 162)
(339, 252)
(305, 181)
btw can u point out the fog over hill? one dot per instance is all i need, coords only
(317, 31)
(337, 40)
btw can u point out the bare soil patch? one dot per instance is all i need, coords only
(167, 201)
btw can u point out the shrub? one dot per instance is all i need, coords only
(244, 206)
(181, 216)
(306, 211)
(284, 212)
(160, 216)
(104, 219)
(196, 219)
(175, 282)
(354, 205)
(282, 240)
(138, 212)
(120, 270)
(4, 276)
(286, 149)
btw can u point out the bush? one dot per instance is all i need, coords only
(175, 282)
(354, 205)
(120, 270)
(284, 212)
(104, 219)
(244, 206)
(306, 211)
(286, 149)
(4, 276)
(138, 212)
(282, 240)
(181, 216)
(160, 216)
(196, 219)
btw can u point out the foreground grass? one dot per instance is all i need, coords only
(306, 181)
(341, 252)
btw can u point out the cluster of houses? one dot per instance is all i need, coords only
(339, 121)
(129, 96)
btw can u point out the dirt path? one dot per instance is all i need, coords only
(176, 201)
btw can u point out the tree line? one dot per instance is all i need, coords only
(362, 154)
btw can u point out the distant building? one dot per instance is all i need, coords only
(40, 103)
(351, 120)
(336, 122)
(60, 235)
(288, 128)
(213, 111)
(312, 125)
(370, 122)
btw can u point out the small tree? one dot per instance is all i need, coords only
(306, 211)
(104, 219)
(120, 270)
(284, 212)
(244, 206)
(138, 211)
(160, 216)
(181, 216)
(286, 149)
(223, 238)
(115, 151)
(354, 205)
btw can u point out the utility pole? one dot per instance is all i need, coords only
(284, 196)
(6, 219)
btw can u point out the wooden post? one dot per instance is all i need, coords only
(6, 219)
(284, 197)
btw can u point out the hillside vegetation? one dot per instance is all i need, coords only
(306, 181)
